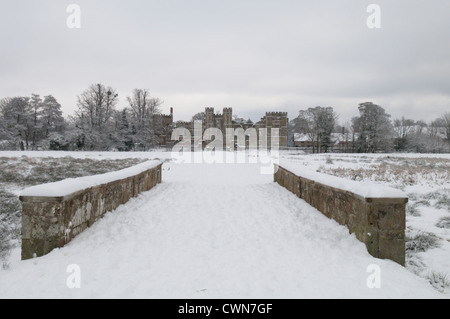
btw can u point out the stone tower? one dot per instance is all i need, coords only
(278, 120)
(209, 117)
(227, 118)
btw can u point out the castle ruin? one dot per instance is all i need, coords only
(224, 121)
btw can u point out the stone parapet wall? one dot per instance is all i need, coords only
(50, 222)
(378, 222)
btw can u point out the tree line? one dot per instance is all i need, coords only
(372, 131)
(35, 123)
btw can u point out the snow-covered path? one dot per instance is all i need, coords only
(212, 231)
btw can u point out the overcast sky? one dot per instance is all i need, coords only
(254, 56)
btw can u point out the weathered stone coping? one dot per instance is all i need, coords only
(70, 186)
(378, 221)
(53, 214)
(361, 189)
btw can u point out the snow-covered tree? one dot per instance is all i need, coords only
(446, 122)
(27, 122)
(94, 117)
(200, 116)
(51, 116)
(145, 117)
(34, 126)
(17, 120)
(5, 134)
(403, 129)
(374, 127)
(436, 136)
(318, 123)
(124, 131)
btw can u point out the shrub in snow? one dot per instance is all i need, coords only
(421, 241)
(424, 202)
(412, 210)
(9, 204)
(28, 171)
(415, 263)
(397, 171)
(443, 202)
(444, 222)
(439, 199)
(5, 247)
(10, 213)
(439, 280)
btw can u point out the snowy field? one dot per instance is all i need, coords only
(228, 231)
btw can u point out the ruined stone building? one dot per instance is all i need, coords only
(276, 120)
(225, 120)
(165, 125)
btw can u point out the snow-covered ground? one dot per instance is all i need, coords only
(211, 231)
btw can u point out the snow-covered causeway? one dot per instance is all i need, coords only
(212, 231)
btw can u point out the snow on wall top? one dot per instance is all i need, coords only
(363, 189)
(72, 185)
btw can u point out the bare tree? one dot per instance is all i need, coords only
(143, 106)
(95, 113)
(403, 128)
(318, 123)
(97, 104)
(146, 117)
(446, 122)
(349, 135)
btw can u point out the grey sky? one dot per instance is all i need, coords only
(254, 56)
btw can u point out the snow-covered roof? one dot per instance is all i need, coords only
(335, 137)
(301, 137)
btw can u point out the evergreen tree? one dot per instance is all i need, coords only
(123, 133)
(16, 120)
(51, 116)
(374, 127)
(34, 126)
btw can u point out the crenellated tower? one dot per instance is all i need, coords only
(227, 118)
(277, 120)
(209, 117)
